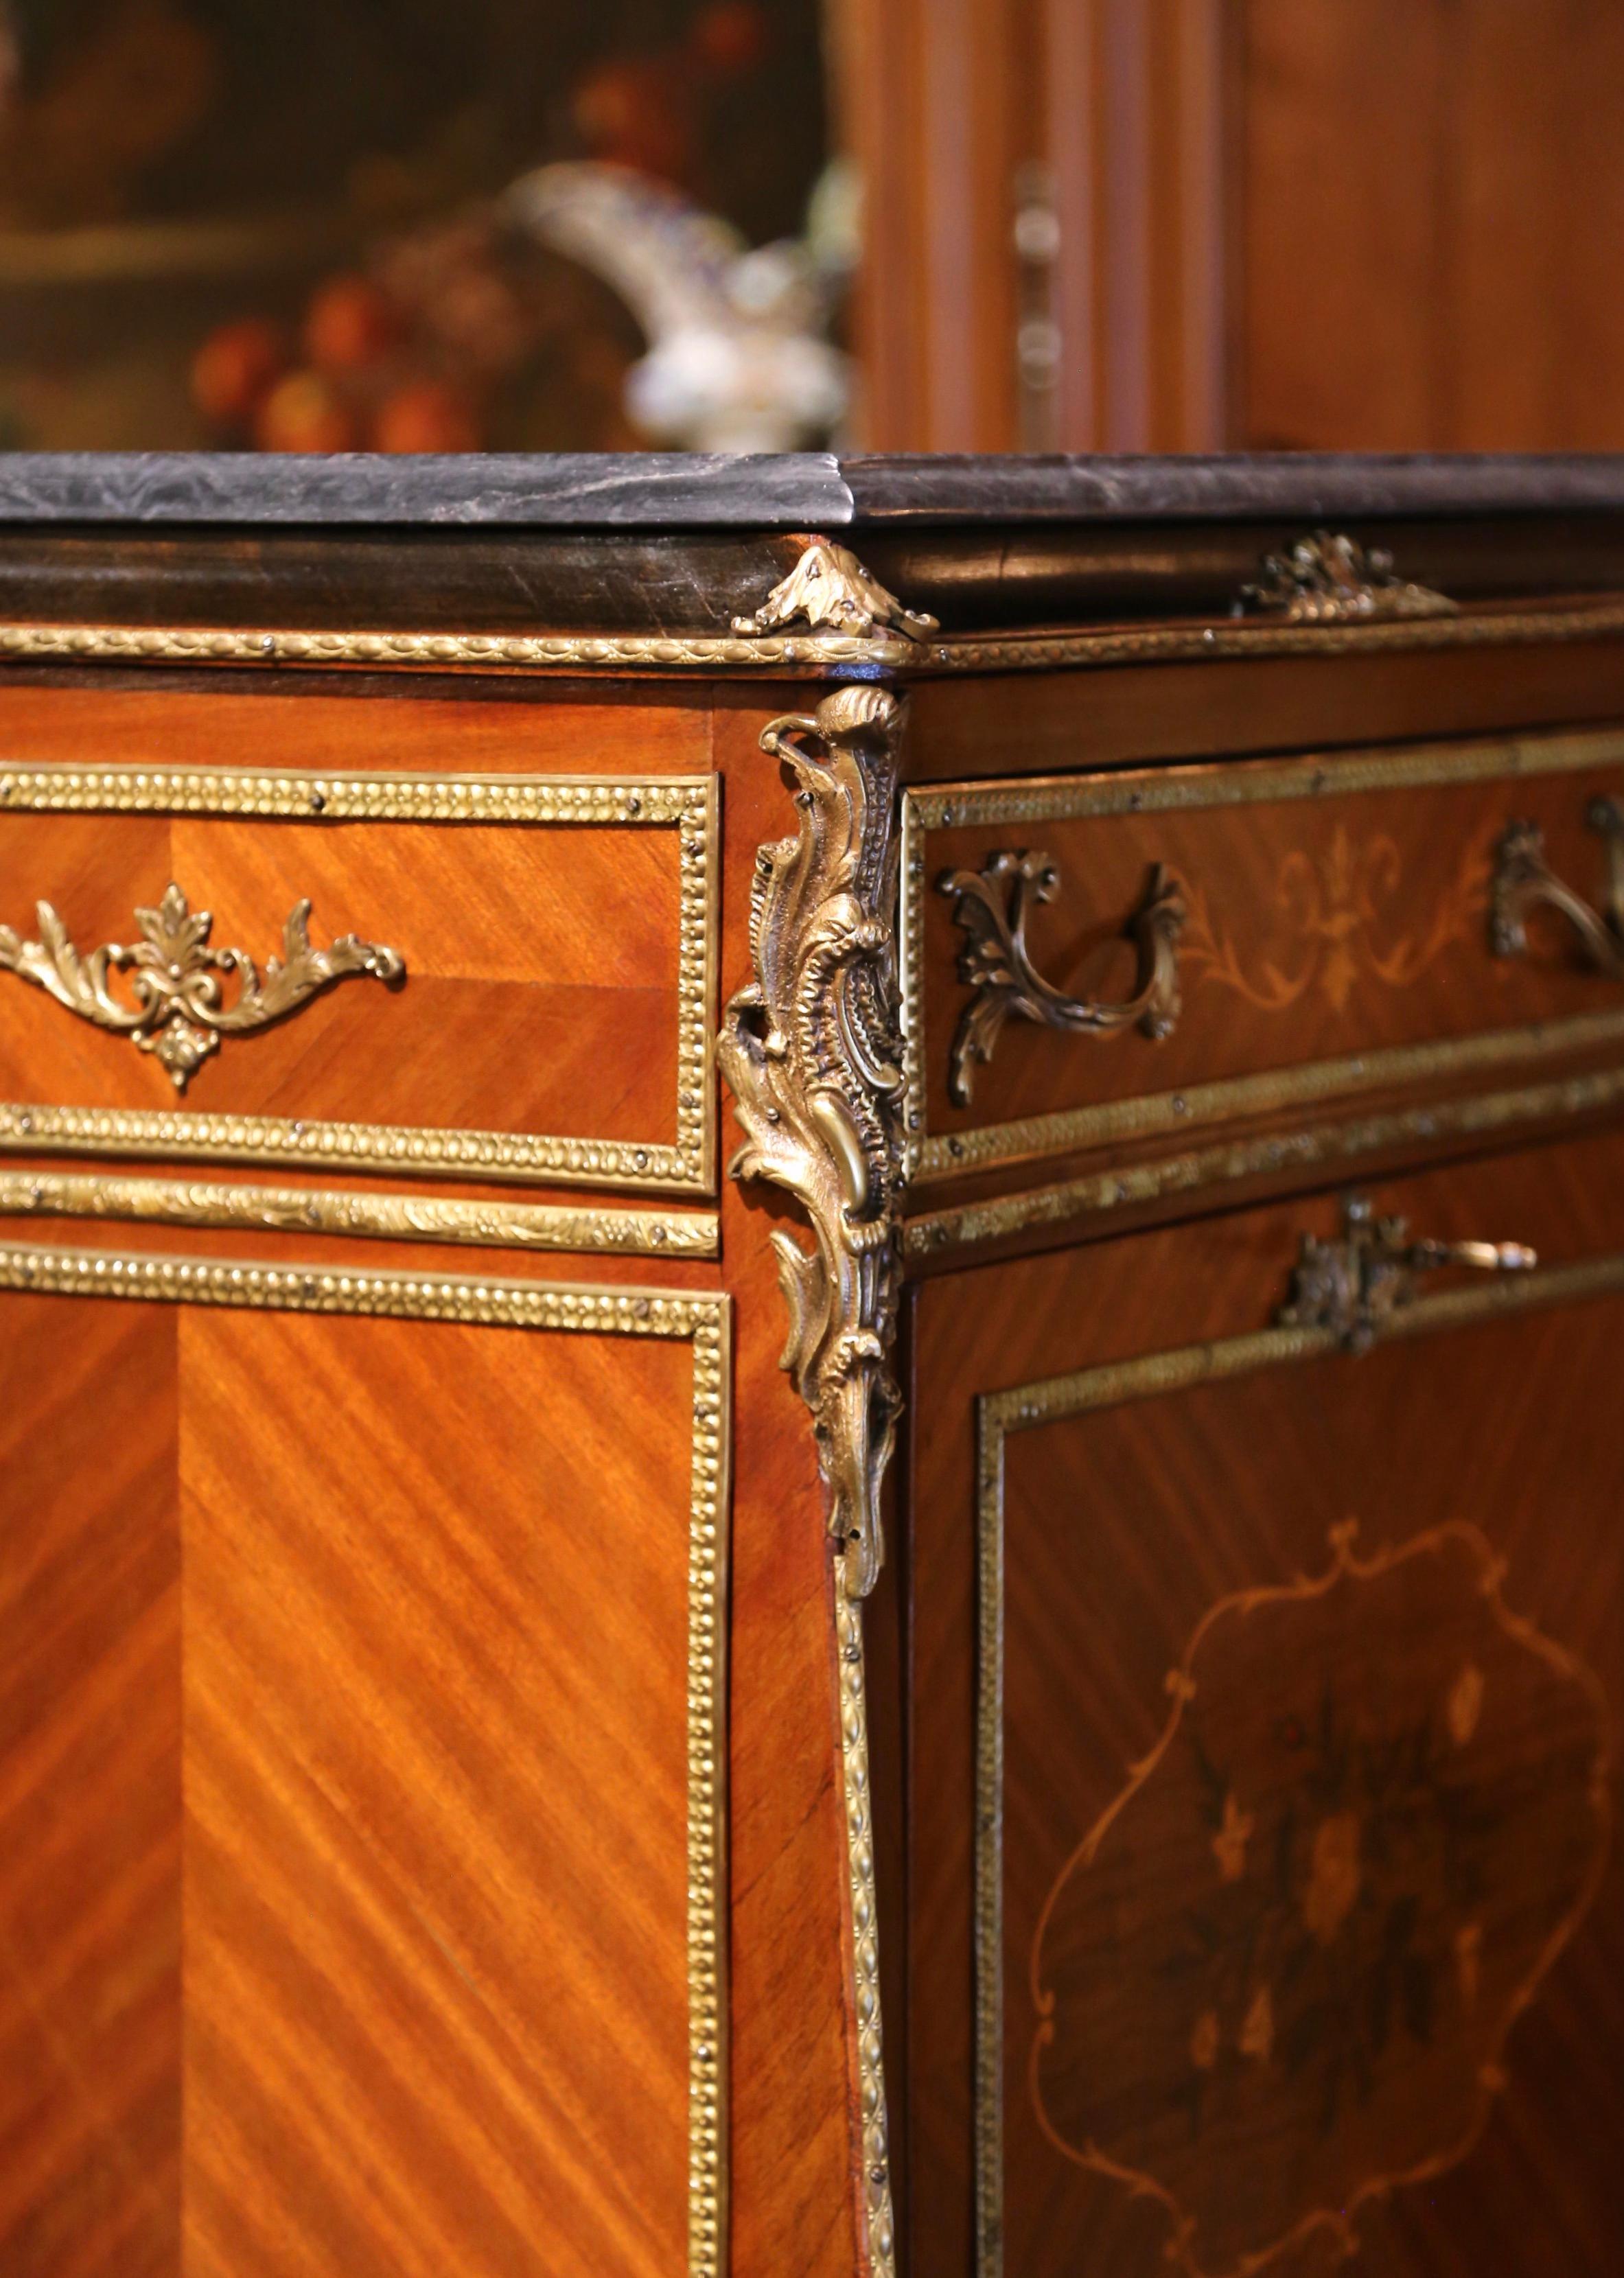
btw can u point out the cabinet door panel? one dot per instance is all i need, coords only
(359, 1764)
(1266, 1796)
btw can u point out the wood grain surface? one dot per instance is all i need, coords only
(1125, 1529)
(366, 1798)
(1315, 928)
(537, 954)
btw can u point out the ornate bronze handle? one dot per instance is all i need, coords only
(1355, 1285)
(1524, 880)
(991, 907)
(176, 1009)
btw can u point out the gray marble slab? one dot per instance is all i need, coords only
(1288, 486)
(572, 490)
(674, 490)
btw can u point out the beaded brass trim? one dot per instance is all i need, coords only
(1061, 1398)
(1482, 627)
(1486, 628)
(686, 804)
(877, 2196)
(970, 1223)
(382, 1218)
(705, 1321)
(1184, 790)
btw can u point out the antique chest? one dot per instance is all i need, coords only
(794, 1242)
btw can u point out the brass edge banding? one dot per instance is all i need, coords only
(689, 804)
(970, 1223)
(1246, 636)
(1190, 788)
(864, 1931)
(1060, 1398)
(1263, 1094)
(817, 652)
(704, 1320)
(382, 1217)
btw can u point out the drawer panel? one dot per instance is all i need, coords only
(1096, 958)
(527, 995)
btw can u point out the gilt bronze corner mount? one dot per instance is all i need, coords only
(811, 1050)
(829, 588)
(990, 907)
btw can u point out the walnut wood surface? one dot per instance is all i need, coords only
(1315, 928)
(1124, 1527)
(335, 1827)
(1043, 723)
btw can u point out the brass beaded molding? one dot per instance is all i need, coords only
(705, 1321)
(1182, 791)
(1059, 1399)
(815, 651)
(382, 1217)
(686, 804)
(938, 1233)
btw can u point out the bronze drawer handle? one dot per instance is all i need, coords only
(990, 907)
(1353, 1285)
(176, 1009)
(1524, 880)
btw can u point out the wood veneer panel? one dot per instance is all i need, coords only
(90, 1782)
(1047, 723)
(544, 957)
(1124, 1528)
(1317, 929)
(415, 1964)
(548, 730)
(436, 1883)
(526, 949)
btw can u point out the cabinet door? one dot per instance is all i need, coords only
(360, 1773)
(1265, 1747)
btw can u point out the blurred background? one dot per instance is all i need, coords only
(887, 225)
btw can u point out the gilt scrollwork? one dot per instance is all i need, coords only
(829, 588)
(1328, 578)
(176, 1007)
(811, 1050)
(1525, 881)
(991, 907)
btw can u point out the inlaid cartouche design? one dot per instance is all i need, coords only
(1275, 1980)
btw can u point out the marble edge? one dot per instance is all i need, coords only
(1291, 486)
(654, 490)
(814, 491)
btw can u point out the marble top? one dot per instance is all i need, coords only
(672, 490)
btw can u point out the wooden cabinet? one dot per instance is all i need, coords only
(807, 1326)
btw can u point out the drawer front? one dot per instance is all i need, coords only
(1101, 957)
(363, 1771)
(1291, 1638)
(496, 976)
